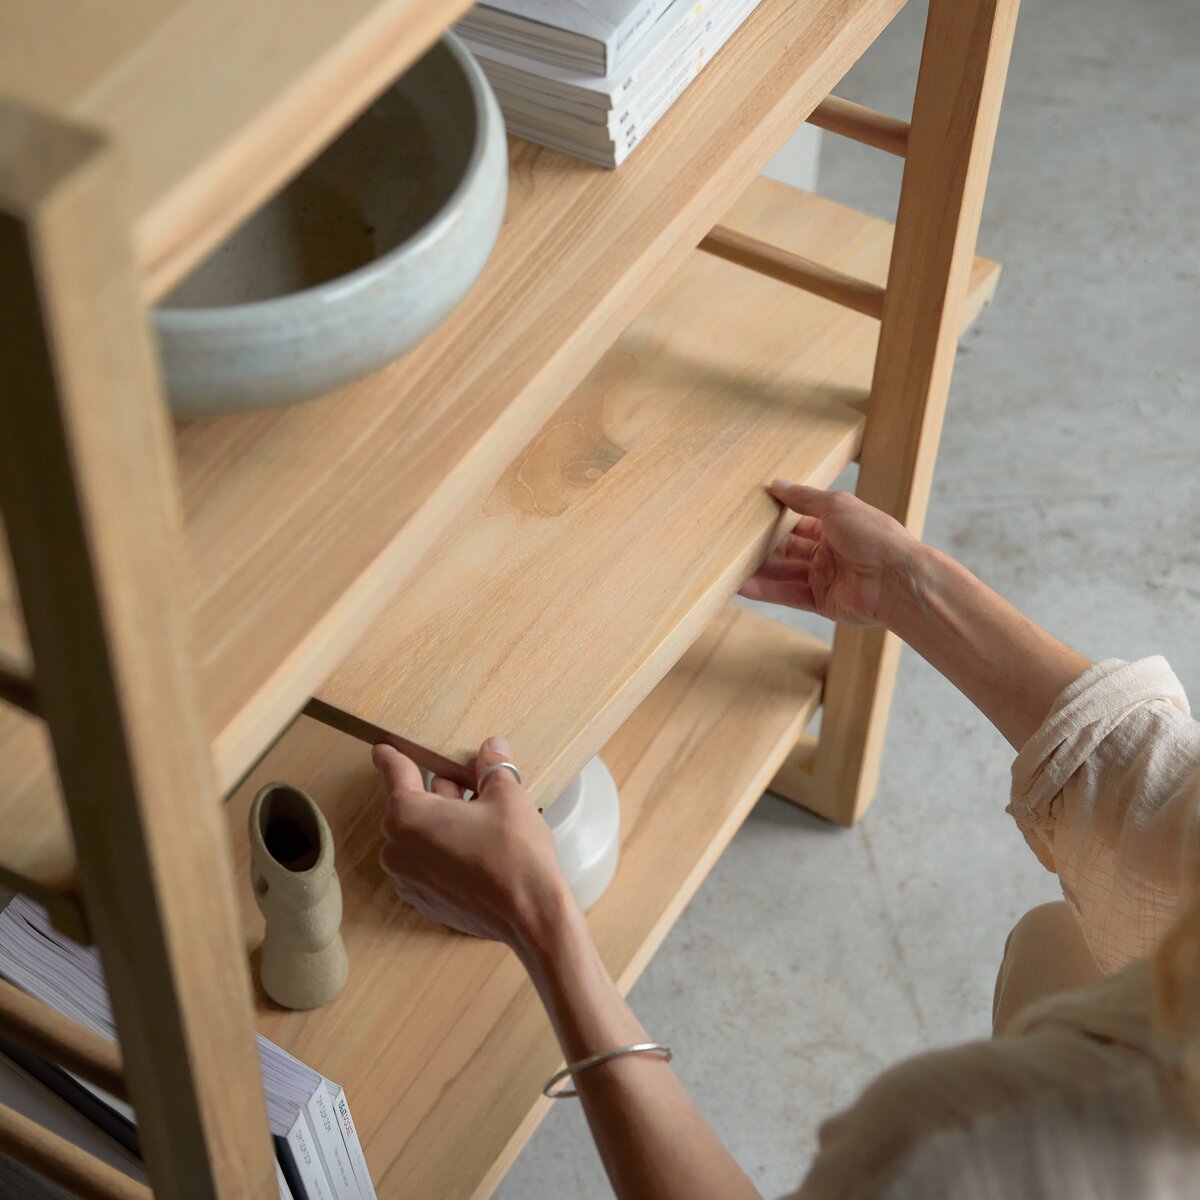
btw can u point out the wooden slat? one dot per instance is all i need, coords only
(439, 1039)
(94, 530)
(214, 103)
(46, 1032)
(632, 516)
(63, 1162)
(794, 269)
(862, 124)
(957, 105)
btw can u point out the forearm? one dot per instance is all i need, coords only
(1008, 666)
(651, 1137)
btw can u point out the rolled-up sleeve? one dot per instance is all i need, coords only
(1107, 793)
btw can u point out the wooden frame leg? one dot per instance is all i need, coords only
(963, 64)
(87, 469)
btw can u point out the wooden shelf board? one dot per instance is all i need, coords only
(215, 103)
(633, 515)
(439, 1039)
(522, 524)
(302, 523)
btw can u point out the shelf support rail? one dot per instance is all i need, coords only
(63, 1162)
(862, 124)
(964, 60)
(50, 1035)
(800, 272)
(87, 468)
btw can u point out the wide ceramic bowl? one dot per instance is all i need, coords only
(358, 258)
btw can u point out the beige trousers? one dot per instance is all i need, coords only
(1045, 953)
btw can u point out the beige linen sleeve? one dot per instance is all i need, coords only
(1107, 794)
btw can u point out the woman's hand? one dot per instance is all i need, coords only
(488, 867)
(844, 560)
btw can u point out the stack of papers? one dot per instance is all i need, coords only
(603, 118)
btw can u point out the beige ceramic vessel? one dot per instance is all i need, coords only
(304, 961)
(358, 258)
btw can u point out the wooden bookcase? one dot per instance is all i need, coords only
(557, 492)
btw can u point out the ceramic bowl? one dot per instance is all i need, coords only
(364, 253)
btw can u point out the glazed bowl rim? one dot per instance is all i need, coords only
(169, 318)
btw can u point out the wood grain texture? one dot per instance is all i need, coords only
(302, 523)
(214, 103)
(93, 522)
(439, 1039)
(957, 106)
(862, 124)
(755, 254)
(632, 516)
(38, 857)
(46, 1032)
(63, 1162)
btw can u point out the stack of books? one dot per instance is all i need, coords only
(318, 1152)
(593, 80)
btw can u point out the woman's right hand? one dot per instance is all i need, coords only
(844, 559)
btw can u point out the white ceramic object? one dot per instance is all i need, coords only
(586, 823)
(364, 253)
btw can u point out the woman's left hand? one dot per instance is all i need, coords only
(488, 867)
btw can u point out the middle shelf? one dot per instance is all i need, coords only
(635, 512)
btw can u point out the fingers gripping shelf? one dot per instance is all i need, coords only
(636, 511)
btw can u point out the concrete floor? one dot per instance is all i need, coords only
(812, 957)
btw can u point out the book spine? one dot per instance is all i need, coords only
(353, 1146)
(301, 1166)
(331, 1146)
(639, 21)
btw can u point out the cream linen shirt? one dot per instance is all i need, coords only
(1076, 1097)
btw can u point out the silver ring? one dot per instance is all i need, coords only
(500, 766)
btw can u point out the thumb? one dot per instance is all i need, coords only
(399, 771)
(808, 501)
(498, 783)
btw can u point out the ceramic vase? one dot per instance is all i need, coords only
(586, 823)
(304, 961)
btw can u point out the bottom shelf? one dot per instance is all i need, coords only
(439, 1039)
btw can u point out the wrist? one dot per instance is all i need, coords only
(549, 922)
(908, 580)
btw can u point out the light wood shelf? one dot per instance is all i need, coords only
(215, 103)
(187, 587)
(439, 1039)
(607, 545)
(636, 511)
(302, 523)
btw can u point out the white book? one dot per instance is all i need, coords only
(610, 142)
(680, 24)
(587, 35)
(341, 1108)
(69, 977)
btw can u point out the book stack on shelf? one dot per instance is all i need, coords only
(318, 1152)
(593, 80)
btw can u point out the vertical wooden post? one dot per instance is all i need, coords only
(90, 500)
(957, 105)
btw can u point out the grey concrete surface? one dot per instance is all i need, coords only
(813, 957)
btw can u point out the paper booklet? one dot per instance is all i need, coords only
(316, 1141)
(607, 138)
(591, 36)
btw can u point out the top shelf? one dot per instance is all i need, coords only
(215, 103)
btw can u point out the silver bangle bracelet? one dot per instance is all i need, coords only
(583, 1064)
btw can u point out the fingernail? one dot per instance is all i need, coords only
(498, 745)
(782, 485)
